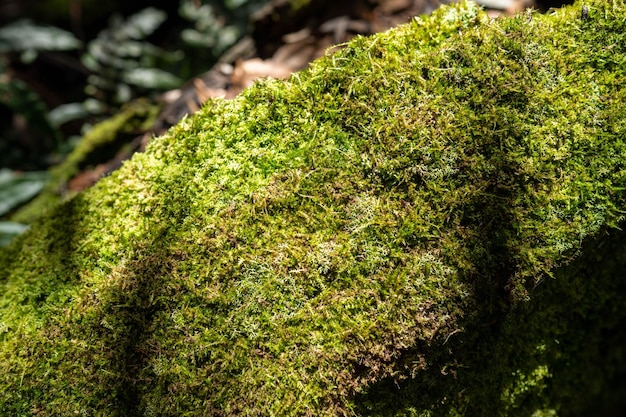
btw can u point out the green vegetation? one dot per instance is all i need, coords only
(122, 64)
(104, 139)
(424, 223)
(49, 97)
(15, 189)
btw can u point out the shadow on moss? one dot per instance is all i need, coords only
(561, 353)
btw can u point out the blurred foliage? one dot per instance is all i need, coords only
(15, 189)
(29, 38)
(27, 134)
(8, 230)
(216, 26)
(122, 61)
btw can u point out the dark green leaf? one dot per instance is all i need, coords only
(16, 189)
(9, 230)
(66, 112)
(143, 23)
(152, 78)
(25, 35)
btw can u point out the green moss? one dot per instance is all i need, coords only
(298, 4)
(423, 223)
(103, 139)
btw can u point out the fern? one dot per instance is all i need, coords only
(124, 64)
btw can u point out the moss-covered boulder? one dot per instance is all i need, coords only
(424, 223)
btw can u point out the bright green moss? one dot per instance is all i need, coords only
(420, 224)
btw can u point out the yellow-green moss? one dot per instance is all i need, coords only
(361, 239)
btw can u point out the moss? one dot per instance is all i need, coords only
(101, 142)
(424, 223)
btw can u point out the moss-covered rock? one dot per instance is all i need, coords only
(424, 223)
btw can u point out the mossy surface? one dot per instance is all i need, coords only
(423, 223)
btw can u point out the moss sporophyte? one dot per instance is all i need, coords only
(426, 222)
